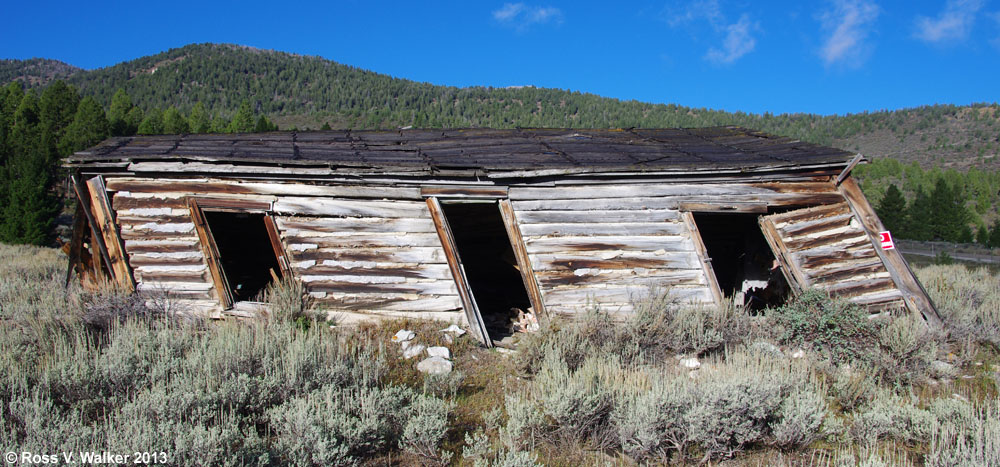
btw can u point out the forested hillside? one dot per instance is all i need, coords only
(928, 160)
(307, 92)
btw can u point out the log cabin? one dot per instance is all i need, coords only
(467, 225)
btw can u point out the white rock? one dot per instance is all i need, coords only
(690, 363)
(959, 397)
(413, 350)
(403, 335)
(505, 351)
(439, 351)
(435, 366)
(448, 338)
(799, 353)
(454, 329)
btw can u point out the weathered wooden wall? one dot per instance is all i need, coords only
(374, 249)
(609, 244)
(357, 249)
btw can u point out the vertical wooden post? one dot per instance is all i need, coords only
(458, 272)
(521, 254)
(277, 246)
(211, 252)
(706, 261)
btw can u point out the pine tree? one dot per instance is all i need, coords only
(198, 120)
(89, 127)
(57, 109)
(995, 235)
(264, 125)
(950, 218)
(892, 211)
(983, 235)
(173, 122)
(29, 206)
(12, 96)
(118, 115)
(152, 124)
(243, 121)
(918, 217)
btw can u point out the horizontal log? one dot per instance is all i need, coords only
(153, 227)
(382, 304)
(808, 214)
(845, 237)
(581, 277)
(407, 255)
(607, 243)
(616, 260)
(495, 192)
(171, 286)
(131, 220)
(421, 271)
(591, 216)
(170, 269)
(816, 226)
(620, 295)
(125, 201)
(171, 258)
(412, 287)
(855, 288)
(161, 245)
(366, 240)
(305, 225)
(633, 190)
(595, 204)
(221, 168)
(350, 208)
(603, 228)
(181, 276)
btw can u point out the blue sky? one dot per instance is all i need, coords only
(829, 57)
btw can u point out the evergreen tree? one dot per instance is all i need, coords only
(89, 127)
(983, 235)
(198, 120)
(119, 115)
(264, 125)
(29, 206)
(326, 126)
(57, 109)
(133, 119)
(919, 217)
(949, 213)
(219, 125)
(892, 211)
(12, 96)
(243, 121)
(173, 122)
(995, 235)
(152, 124)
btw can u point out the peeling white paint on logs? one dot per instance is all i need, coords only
(182, 242)
(153, 269)
(174, 286)
(366, 279)
(148, 212)
(152, 256)
(299, 247)
(350, 208)
(182, 227)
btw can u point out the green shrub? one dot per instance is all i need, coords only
(799, 419)
(426, 427)
(968, 440)
(837, 328)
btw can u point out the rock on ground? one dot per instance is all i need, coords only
(434, 366)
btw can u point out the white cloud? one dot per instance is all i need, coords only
(737, 38)
(738, 42)
(954, 23)
(522, 16)
(847, 25)
(696, 10)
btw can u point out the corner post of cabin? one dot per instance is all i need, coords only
(102, 260)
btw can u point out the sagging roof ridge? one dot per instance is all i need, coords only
(520, 152)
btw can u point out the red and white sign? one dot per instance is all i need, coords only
(886, 239)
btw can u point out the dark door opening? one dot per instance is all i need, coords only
(490, 265)
(743, 262)
(245, 252)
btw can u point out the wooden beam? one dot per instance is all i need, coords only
(723, 207)
(706, 261)
(211, 252)
(793, 275)
(914, 295)
(847, 170)
(521, 254)
(105, 223)
(277, 246)
(458, 272)
(489, 192)
(99, 251)
(75, 242)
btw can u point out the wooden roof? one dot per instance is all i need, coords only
(508, 153)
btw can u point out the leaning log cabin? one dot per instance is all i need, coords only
(468, 225)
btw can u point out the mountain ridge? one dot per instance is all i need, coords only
(308, 91)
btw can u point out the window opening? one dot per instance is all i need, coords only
(490, 266)
(744, 265)
(245, 252)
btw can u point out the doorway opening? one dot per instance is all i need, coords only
(490, 265)
(744, 265)
(246, 256)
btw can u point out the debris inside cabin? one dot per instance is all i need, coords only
(524, 322)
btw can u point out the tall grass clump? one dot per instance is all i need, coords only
(968, 301)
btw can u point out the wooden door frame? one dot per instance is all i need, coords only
(197, 205)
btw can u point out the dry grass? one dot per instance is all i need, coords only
(107, 371)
